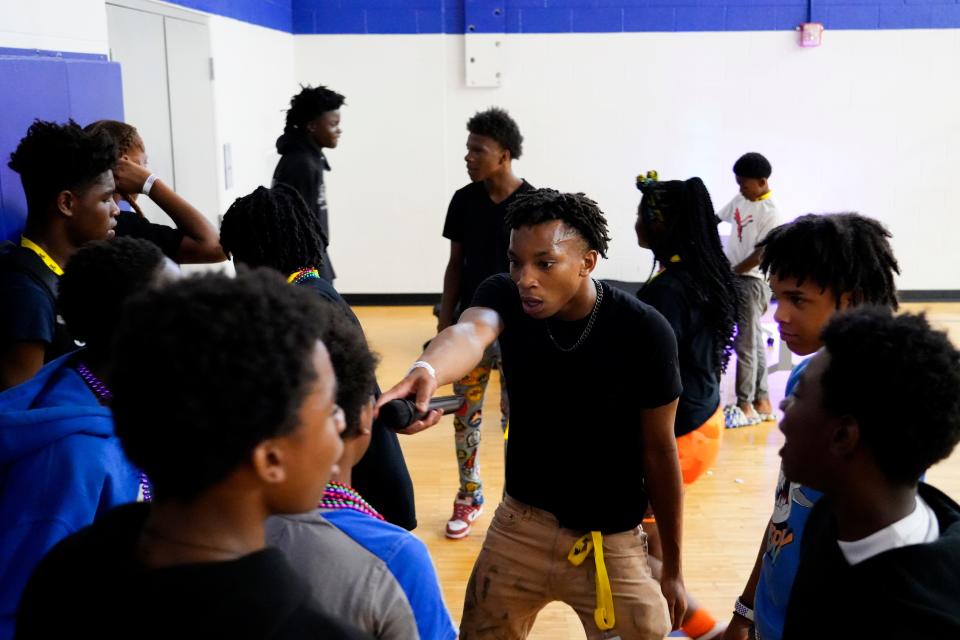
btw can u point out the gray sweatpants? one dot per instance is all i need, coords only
(750, 345)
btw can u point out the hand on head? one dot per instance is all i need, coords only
(129, 175)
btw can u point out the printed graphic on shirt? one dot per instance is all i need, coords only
(741, 223)
(322, 196)
(779, 533)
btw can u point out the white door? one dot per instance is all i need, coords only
(168, 96)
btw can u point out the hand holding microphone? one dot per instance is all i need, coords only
(400, 413)
(420, 382)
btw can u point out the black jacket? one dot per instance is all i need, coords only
(910, 592)
(301, 166)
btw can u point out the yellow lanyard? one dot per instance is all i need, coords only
(26, 243)
(603, 614)
(764, 196)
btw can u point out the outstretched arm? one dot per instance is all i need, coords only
(452, 354)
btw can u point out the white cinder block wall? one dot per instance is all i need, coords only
(868, 122)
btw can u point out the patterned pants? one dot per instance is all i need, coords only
(466, 422)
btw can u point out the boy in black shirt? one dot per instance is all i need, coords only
(594, 381)
(69, 188)
(872, 411)
(223, 395)
(313, 124)
(478, 250)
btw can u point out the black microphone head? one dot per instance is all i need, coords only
(397, 414)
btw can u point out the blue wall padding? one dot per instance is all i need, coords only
(85, 88)
(580, 16)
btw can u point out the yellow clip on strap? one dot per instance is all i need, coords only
(593, 541)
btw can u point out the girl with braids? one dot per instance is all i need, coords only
(194, 240)
(818, 265)
(313, 124)
(694, 290)
(274, 228)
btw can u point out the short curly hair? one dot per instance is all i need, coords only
(496, 123)
(98, 280)
(752, 165)
(273, 228)
(846, 253)
(206, 368)
(60, 157)
(900, 380)
(354, 364)
(576, 210)
(310, 103)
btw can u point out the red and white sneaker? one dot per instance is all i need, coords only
(464, 513)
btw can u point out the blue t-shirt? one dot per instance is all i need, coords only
(409, 562)
(792, 506)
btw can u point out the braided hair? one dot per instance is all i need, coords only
(127, 137)
(679, 219)
(576, 210)
(844, 252)
(273, 228)
(310, 103)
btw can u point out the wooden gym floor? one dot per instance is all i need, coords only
(725, 512)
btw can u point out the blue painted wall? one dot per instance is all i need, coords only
(610, 16)
(578, 16)
(48, 86)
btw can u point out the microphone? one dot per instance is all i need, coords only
(399, 414)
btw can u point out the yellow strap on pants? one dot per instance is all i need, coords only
(593, 541)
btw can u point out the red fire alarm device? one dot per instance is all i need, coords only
(811, 34)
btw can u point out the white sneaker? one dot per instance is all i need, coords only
(464, 514)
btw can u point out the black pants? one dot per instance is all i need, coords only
(383, 480)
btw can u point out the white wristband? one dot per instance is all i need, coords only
(148, 184)
(742, 610)
(421, 364)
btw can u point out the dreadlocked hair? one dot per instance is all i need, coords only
(679, 219)
(843, 252)
(575, 210)
(273, 228)
(126, 137)
(310, 103)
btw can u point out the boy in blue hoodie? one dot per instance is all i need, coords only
(62, 464)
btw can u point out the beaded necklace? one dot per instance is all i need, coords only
(104, 396)
(307, 273)
(340, 496)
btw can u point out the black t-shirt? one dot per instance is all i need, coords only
(381, 476)
(92, 585)
(131, 225)
(477, 222)
(28, 297)
(670, 294)
(576, 444)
